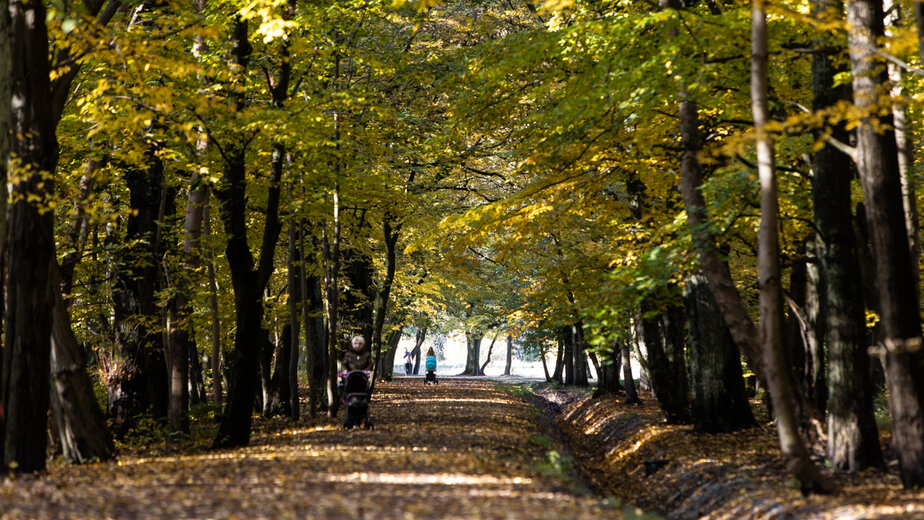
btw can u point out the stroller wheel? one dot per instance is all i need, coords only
(367, 425)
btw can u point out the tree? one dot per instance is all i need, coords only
(778, 375)
(31, 253)
(719, 402)
(853, 440)
(248, 278)
(663, 335)
(877, 164)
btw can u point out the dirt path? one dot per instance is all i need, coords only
(460, 449)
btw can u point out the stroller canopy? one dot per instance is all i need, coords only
(356, 382)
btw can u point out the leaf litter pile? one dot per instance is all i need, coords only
(459, 449)
(723, 476)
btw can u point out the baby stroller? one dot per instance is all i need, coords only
(430, 366)
(356, 396)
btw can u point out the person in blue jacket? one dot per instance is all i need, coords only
(431, 366)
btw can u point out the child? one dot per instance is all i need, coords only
(431, 367)
(407, 362)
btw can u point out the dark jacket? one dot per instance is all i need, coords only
(353, 360)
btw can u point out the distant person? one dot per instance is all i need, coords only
(358, 357)
(431, 367)
(407, 362)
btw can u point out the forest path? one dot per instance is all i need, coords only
(458, 449)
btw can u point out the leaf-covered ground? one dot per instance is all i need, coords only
(724, 476)
(460, 449)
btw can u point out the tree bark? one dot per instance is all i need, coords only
(665, 362)
(392, 346)
(559, 359)
(567, 332)
(332, 305)
(196, 379)
(580, 358)
(80, 421)
(216, 363)
(313, 321)
(488, 357)
(140, 380)
(6, 79)
(6, 70)
(509, 355)
(894, 273)
(390, 237)
(296, 296)
(545, 367)
(31, 289)
(181, 310)
(247, 280)
(720, 403)
(418, 346)
(279, 400)
(853, 441)
(795, 332)
(629, 384)
(473, 353)
(816, 311)
(713, 267)
(778, 376)
(877, 164)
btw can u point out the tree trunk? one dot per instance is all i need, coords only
(332, 269)
(580, 358)
(315, 335)
(418, 346)
(213, 311)
(392, 348)
(296, 295)
(629, 384)
(332, 263)
(381, 300)
(473, 353)
(6, 80)
(877, 164)
(313, 321)
(568, 353)
(31, 290)
(559, 359)
(904, 141)
(181, 310)
(817, 311)
(713, 267)
(608, 366)
(248, 283)
(778, 376)
(665, 363)
(488, 357)
(81, 423)
(853, 441)
(509, 355)
(279, 399)
(720, 403)
(196, 381)
(79, 228)
(140, 380)
(795, 327)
